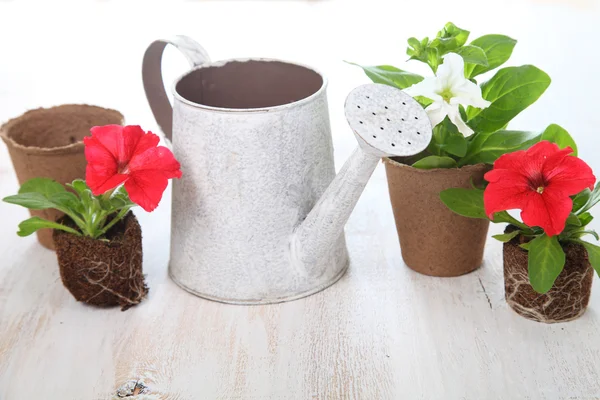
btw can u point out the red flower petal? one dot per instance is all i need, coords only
(98, 155)
(548, 210)
(538, 181)
(111, 138)
(132, 135)
(542, 149)
(147, 141)
(128, 155)
(507, 191)
(159, 160)
(101, 165)
(528, 163)
(100, 182)
(145, 188)
(568, 174)
(510, 160)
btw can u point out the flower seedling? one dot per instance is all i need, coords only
(125, 168)
(554, 191)
(470, 119)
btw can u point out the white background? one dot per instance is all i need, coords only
(455, 348)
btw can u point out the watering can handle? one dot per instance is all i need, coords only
(152, 76)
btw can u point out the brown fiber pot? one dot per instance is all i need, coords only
(103, 273)
(48, 143)
(434, 240)
(568, 298)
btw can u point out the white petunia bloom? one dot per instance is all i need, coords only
(448, 89)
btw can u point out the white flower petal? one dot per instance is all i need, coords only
(452, 71)
(426, 88)
(454, 115)
(436, 112)
(469, 94)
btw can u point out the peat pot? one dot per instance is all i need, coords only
(566, 300)
(434, 240)
(48, 143)
(103, 273)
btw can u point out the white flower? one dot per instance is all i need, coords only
(448, 89)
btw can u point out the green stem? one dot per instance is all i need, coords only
(107, 195)
(506, 217)
(75, 218)
(67, 229)
(116, 219)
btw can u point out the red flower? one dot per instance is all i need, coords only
(117, 154)
(539, 182)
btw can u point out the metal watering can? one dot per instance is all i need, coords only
(258, 216)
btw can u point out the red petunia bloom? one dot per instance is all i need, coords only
(126, 154)
(537, 181)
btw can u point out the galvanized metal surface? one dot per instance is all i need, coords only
(386, 122)
(249, 178)
(242, 227)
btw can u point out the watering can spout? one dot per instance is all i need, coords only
(317, 234)
(386, 122)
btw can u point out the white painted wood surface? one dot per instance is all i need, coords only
(383, 331)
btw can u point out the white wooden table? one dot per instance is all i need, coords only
(383, 331)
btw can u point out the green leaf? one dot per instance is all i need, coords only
(487, 147)
(84, 193)
(450, 38)
(504, 216)
(593, 255)
(432, 162)
(506, 237)
(36, 194)
(510, 91)
(31, 200)
(43, 193)
(581, 199)
(433, 58)
(79, 186)
(593, 199)
(573, 220)
(392, 76)
(545, 262)
(416, 48)
(556, 134)
(590, 232)
(497, 49)
(525, 246)
(422, 51)
(415, 43)
(465, 202)
(67, 201)
(120, 199)
(447, 139)
(32, 224)
(423, 101)
(472, 54)
(43, 186)
(585, 218)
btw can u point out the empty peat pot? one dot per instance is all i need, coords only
(434, 240)
(48, 143)
(103, 273)
(569, 297)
